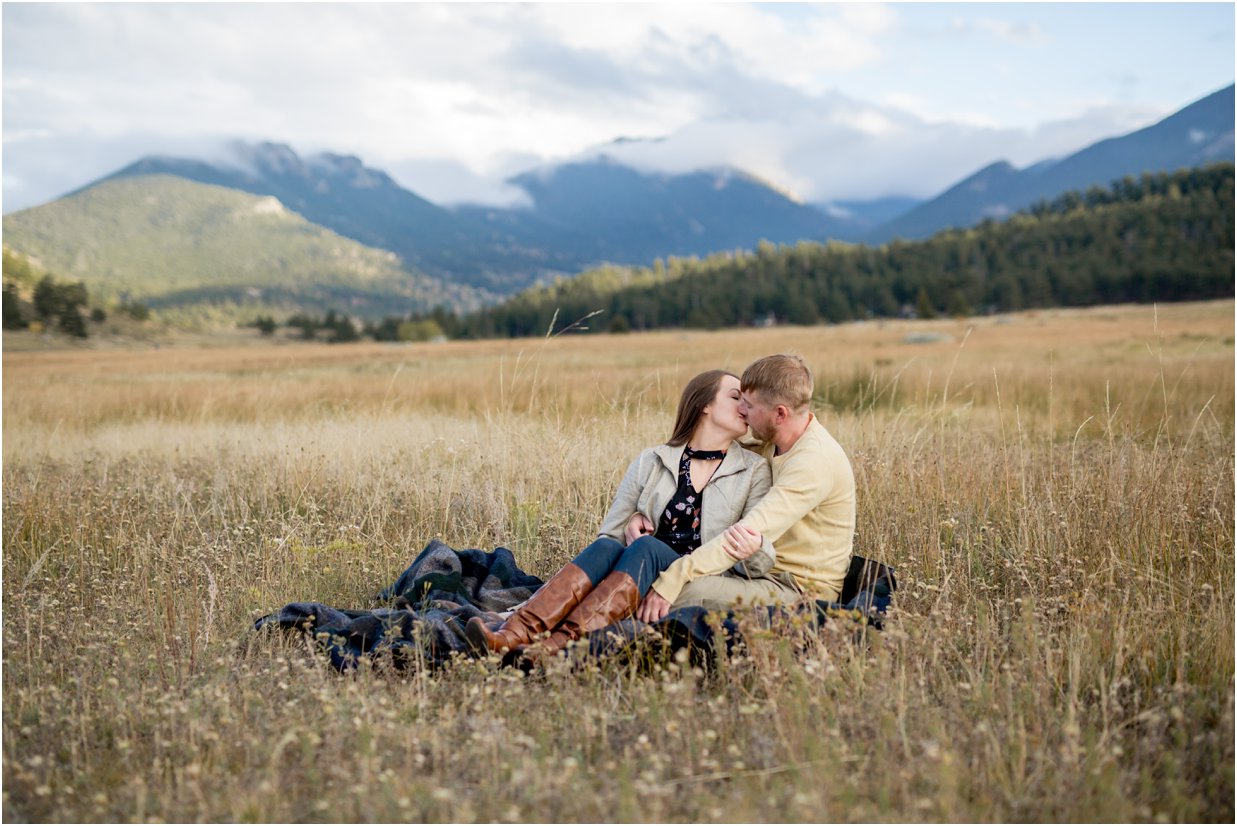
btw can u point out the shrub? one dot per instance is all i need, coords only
(424, 330)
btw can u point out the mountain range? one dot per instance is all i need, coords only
(619, 214)
(339, 192)
(582, 214)
(1199, 134)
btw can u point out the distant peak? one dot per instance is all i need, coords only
(995, 167)
(274, 156)
(725, 174)
(337, 161)
(719, 176)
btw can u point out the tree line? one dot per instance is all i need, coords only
(38, 299)
(337, 328)
(1161, 237)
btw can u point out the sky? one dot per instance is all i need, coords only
(825, 101)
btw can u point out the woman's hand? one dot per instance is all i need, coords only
(638, 526)
(653, 607)
(740, 541)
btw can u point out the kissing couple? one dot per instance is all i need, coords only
(750, 500)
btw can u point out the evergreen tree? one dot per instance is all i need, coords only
(387, 329)
(342, 329)
(48, 301)
(884, 303)
(959, 307)
(837, 308)
(74, 295)
(72, 323)
(14, 319)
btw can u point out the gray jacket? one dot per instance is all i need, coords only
(742, 479)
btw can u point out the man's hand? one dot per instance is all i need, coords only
(740, 541)
(638, 526)
(653, 607)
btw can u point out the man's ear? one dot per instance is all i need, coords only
(783, 413)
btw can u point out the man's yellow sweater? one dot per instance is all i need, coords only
(808, 514)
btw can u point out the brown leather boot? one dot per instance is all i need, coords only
(616, 597)
(543, 611)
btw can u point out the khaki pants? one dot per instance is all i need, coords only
(717, 593)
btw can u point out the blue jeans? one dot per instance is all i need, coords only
(643, 560)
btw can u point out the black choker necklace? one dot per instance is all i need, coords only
(704, 455)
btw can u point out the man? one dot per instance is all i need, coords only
(808, 514)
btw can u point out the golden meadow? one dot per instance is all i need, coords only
(1055, 490)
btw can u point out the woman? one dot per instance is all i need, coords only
(673, 497)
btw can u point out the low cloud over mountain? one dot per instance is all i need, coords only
(572, 216)
(815, 147)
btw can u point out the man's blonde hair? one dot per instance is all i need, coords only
(781, 379)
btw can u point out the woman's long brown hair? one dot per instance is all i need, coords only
(697, 395)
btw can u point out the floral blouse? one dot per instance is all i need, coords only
(679, 526)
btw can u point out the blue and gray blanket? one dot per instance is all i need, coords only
(419, 620)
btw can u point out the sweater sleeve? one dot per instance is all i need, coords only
(761, 562)
(625, 499)
(800, 487)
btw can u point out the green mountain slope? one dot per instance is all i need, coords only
(203, 251)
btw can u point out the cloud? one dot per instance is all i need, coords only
(448, 182)
(1021, 33)
(1060, 137)
(818, 148)
(37, 171)
(578, 75)
(449, 97)
(834, 148)
(407, 79)
(791, 44)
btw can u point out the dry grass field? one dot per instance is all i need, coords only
(1055, 490)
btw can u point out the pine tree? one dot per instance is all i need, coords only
(72, 323)
(48, 302)
(342, 329)
(14, 319)
(959, 307)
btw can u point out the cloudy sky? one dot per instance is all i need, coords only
(828, 101)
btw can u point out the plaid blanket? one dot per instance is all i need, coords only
(419, 620)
